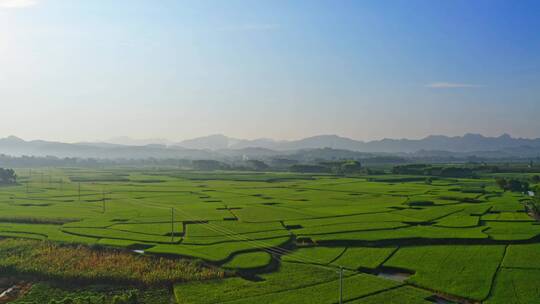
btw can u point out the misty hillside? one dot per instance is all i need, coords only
(460, 144)
(17, 147)
(326, 146)
(220, 142)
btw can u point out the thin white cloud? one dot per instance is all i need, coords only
(250, 28)
(452, 85)
(17, 3)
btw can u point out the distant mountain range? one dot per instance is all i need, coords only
(220, 146)
(15, 146)
(460, 144)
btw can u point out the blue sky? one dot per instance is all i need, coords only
(79, 70)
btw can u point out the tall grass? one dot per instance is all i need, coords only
(82, 263)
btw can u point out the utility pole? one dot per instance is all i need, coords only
(103, 199)
(172, 225)
(340, 285)
(79, 191)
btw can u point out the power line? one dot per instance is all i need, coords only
(340, 285)
(284, 251)
(260, 244)
(269, 248)
(172, 225)
(257, 244)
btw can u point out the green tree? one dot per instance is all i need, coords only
(515, 185)
(502, 183)
(257, 165)
(351, 166)
(7, 176)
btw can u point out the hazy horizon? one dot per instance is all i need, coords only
(127, 140)
(76, 70)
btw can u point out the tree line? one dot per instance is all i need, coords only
(7, 176)
(512, 184)
(434, 170)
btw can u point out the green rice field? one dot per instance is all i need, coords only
(247, 237)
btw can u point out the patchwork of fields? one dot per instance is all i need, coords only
(282, 237)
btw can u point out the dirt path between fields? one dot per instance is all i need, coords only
(11, 289)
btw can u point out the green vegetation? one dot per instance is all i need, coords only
(364, 257)
(244, 237)
(516, 286)
(522, 256)
(359, 285)
(249, 260)
(464, 270)
(290, 276)
(293, 283)
(400, 295)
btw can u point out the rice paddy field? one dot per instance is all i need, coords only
(242, 237)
